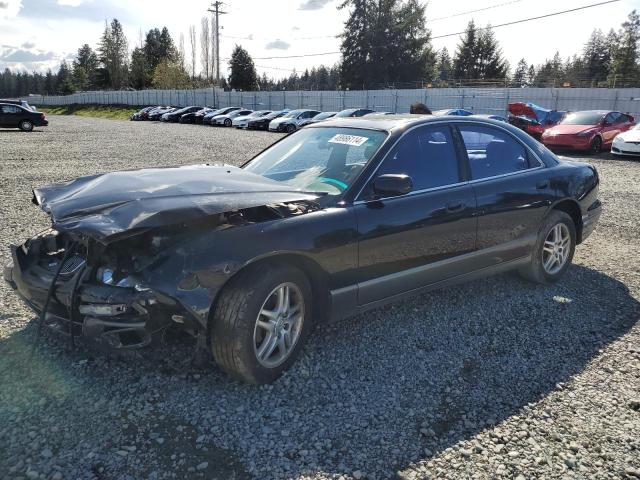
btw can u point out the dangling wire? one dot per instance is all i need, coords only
(68, 252)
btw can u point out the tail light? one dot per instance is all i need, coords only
(43, 116)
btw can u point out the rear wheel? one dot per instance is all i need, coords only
(227, 122)
(291, 128)
(261, 321)
(26, 125)
(553, 250)
(596, 146)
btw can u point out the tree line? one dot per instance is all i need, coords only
(385, 44)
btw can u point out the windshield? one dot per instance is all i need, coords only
(292, 113)
(319, 159)
(323, 115)
(582, 118)
(345, 113)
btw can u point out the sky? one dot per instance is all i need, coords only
(39, 34)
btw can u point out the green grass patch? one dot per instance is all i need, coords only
(97, 111)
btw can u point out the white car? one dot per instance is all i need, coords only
(627, 143)
(243, 120)
(227, 120)
(289, 122)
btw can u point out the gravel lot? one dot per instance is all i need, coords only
(496, 378)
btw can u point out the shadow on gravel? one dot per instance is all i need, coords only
(376, 393)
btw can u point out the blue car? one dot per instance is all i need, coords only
(457, 112)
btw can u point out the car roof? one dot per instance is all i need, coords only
(398, 121)
(600, 112)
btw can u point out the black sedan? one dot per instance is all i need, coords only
(156, 114)
(193, 117)
(262, 123)
(175, 116)
(16, 116)
(340, 217)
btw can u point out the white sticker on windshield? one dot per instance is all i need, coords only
(354, 140)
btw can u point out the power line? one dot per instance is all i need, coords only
(532, 18)
(584, 7)
(460, 14)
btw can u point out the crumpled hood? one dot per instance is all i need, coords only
(107, 205)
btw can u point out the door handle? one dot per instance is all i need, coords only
(542, 185)
(455, 206)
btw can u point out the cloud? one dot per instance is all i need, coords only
(26, 56)
(28, 45)
(314, 4)
(9, 8)
(277, 45)
(295, 29)
(68, 9)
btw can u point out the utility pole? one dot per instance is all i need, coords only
(215, 9)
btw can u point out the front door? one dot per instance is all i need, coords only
(412, 240)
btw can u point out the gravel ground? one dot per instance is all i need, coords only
(493, 379)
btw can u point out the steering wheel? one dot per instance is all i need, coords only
(340, 186)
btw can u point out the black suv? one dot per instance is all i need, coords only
(16, 116)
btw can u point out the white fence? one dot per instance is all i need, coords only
(478, 100)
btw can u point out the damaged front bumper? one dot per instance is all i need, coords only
(118, 317)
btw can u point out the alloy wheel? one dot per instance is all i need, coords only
(556, 249)
(596, 145)
(279, 325)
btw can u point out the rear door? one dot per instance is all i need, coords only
(10, 115)
(413, 240)
(512, 192)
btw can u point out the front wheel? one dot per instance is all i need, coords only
(261, 321)
(26, 126)
(553, 251)
(596, 146)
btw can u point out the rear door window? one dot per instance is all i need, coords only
(492, 152)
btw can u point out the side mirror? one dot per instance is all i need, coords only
(392, 185)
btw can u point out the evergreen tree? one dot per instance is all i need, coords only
(49, 83)
(64, 83)
(624, 68)
(464, 60)
(113, 55)
(489, 61)
(445, 67)
(140, 75)
(243, 74)
(597, 58)
(385, 42)
(520, 76)
(85, 68)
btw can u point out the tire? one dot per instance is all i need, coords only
(227, 122)
(596, 146)
(26, 125)
(291, 128)
(237, 339)
(536, 271)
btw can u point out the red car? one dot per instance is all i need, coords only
(590, 130)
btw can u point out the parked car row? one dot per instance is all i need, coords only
(286, 120)
(591, 131)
